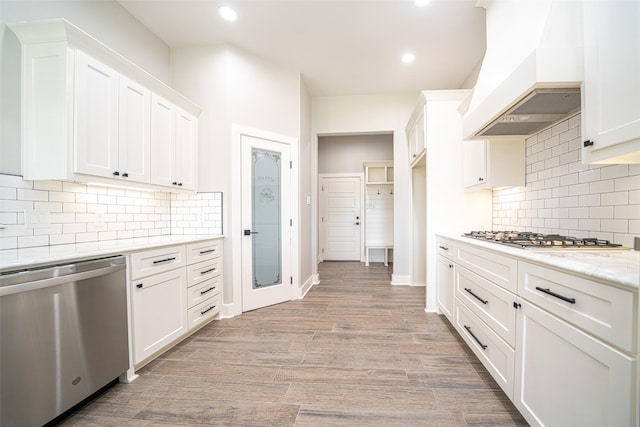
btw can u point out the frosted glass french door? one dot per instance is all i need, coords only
(266, 229)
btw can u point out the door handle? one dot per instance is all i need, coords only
(249, 232)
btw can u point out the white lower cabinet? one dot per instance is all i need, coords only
(159, 312)
(494, 353)
(445, 276)
(174, 291)
(565, 377)
(563, 348)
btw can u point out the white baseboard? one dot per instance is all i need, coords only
(230, 310)
(400, 280)
(308, 284)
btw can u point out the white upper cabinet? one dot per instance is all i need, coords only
(186, 149)
(134, 131)
(96, 116)
(90, 115)
(416, 134)
(611, 89)
(175, 133)
(163, 135)
(493, 163)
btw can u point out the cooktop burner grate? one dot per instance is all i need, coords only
(526, 239)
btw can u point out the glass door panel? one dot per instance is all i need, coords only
(266, 218)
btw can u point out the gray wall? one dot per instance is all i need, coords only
(345, 153)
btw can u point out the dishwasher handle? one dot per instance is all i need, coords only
(53, 281)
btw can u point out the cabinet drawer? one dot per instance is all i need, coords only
(202, 251)
(204, 290)
(203, 270)
(490, 302)
(496, 268)
(446, 248)
(604, 311)
(495, 354)
(156, 261)
(205, 311)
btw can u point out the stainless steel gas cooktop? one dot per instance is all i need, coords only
(530, 240)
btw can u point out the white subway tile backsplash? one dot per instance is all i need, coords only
(615, 225)
(564, 196)
(82, 214)
(7, 193)
(73, 187)
(627, 183)
(32, 241)
(627, 212)
(601, 212)
(604, 186)
(589, 200)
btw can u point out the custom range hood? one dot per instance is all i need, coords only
(532, 70)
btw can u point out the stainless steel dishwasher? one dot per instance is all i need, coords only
(63, 337)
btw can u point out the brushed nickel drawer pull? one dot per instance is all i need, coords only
(477, 297)
(468, 328)
(553, 294)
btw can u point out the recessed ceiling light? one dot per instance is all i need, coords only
(408, 58)
(227, 13)
(421, 3)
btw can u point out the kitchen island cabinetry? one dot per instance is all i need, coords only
(562, 345)
(174, 291)
(611, 91)
(493, 163)
(587, 377)
(86, 113)
(485, 285)
(567, 377)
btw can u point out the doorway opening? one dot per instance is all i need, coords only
(344, 200)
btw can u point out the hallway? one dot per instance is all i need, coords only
(354, 352)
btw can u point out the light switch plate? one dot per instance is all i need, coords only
(37, 218)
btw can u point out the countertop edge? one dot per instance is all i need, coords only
(20, 259)
(576, 262)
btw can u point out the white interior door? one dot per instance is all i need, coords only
(341, 218)
(266, 222)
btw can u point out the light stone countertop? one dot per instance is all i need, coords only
(20, 259)
(621, 267)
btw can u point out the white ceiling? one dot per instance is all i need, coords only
(341, 47)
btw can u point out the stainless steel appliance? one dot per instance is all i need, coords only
(63, 337)
(529, 240)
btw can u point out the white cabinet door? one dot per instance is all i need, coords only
(159, 312)
(416, 137)
(445, 270)
(96, 117)
(134, 131)
(493, 163)
(565, 377)
(474, 164)
(611, 90)
(186, 150)
(163, 140)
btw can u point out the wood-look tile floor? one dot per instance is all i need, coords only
(355, 351)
